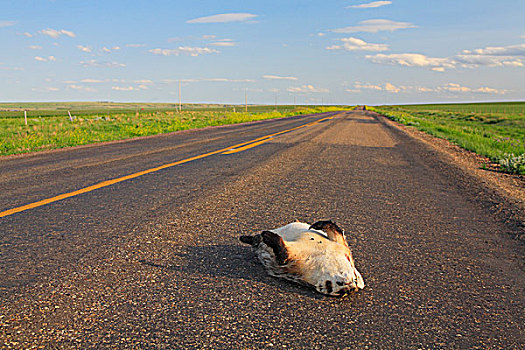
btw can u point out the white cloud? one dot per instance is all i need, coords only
(192, 51)
(46, 89)
(472, 61)
(504, 56)
(374, 26)
(4, 24)
(45, 59)
(130, 88)
(95, 63)
(29, 35)
(35, 47)
(144, 81)
(373, 4)
(454, 88)
(457, 88)
(388, 87)
(81, 88)
(224, 18)
(11, 68)
(227, 80)
(92, 81)
(57, 33)
(211, 80)
(493, 56)
(84, 48)
(108, 50)
(391, 88)
(511, 50)
(307, 89)
(278, 77)
(208, 37)
(355, 44)
(135, 45)
(223, 43)
(413, 60)
(367, 86)
(123, 88)
(488, 90)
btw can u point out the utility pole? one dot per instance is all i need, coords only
(180, 99)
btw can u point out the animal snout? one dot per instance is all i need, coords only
(347, 286)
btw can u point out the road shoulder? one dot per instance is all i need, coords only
(505, 193)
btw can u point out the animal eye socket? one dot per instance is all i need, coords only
(339, 283)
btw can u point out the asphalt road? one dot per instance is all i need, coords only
(154, 261)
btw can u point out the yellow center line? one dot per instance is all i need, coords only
(232, 149)
(244, 148)
(266, 138)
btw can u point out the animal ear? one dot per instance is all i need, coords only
(276, 242)
(333, 232)
(251, 240)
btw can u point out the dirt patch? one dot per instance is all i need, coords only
(510, 189)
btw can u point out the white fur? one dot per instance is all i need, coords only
(313, 259)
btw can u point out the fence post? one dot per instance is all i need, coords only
(70, 117)
(25, 117)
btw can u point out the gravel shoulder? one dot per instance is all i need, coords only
(505, 193)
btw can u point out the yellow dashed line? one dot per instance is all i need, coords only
(251, 145)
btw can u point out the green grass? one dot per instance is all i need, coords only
(50, 109)
(498, 135)
(508, 108)
(48, 129)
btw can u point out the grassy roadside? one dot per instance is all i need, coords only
(498, 136)
(57, 131)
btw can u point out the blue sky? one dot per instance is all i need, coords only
(332, 52)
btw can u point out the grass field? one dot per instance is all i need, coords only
(507, 108)
(49, 127)
(494, 130)
(49, 109)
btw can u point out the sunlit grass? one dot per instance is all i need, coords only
(498, 136)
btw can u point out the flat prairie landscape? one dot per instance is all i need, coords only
(49, 125)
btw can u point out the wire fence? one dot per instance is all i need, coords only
(32, 111)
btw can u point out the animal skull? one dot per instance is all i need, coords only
(316, 255)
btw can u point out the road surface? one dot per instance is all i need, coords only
(142, 251)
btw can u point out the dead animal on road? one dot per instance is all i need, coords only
(316, 255)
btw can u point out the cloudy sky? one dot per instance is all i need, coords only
(332, 52)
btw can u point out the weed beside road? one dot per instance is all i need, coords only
(498, 136)
(57, 131)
